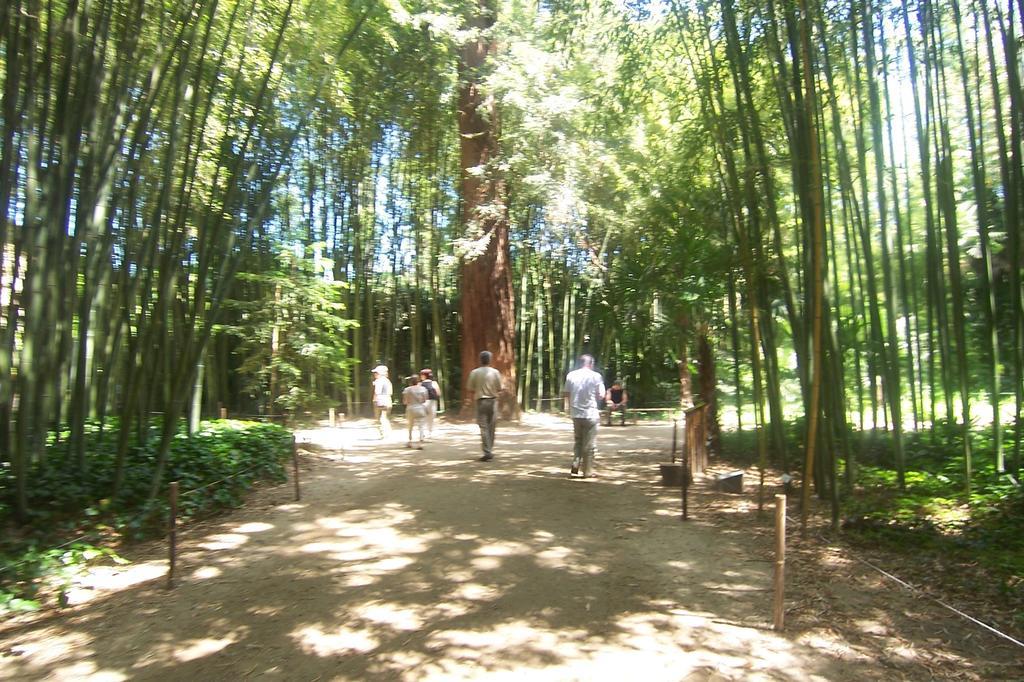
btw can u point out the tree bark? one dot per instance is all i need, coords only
(488, 306)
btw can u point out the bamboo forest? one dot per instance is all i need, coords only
(787, 231)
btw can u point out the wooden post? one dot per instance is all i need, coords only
(778, 604)
(172, 534)
(675, 437)
(223, 413)
(295, 468)
(330, 416)
(686, 480)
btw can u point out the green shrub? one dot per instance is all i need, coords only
(214, 468)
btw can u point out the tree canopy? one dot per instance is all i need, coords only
(809, 210)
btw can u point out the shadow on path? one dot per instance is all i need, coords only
(407, 565)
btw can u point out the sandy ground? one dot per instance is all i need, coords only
(428, 565)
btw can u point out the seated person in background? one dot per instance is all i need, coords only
(615, 400)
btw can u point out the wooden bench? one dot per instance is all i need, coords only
(609, 416)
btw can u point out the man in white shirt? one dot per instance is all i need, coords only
(483, 386)
(583, 388)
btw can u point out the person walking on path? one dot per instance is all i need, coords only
(433, 398)
(483, 387)
(382, 392)
(414, 397)
(583, 388)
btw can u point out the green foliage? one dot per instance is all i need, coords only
(292, 332)
(214, 468)
(932, 516)
(27, 573)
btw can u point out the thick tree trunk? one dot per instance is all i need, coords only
(488, 307)
(708, 380)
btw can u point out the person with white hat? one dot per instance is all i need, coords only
(382, 392)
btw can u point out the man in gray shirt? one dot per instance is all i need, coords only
(583, 388)
(483, 387)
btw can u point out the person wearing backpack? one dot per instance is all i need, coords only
(433, 398)
(414, 397)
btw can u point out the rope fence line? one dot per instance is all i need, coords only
(81, 538)
(174, 496)
(334, 414)
(918, 591)
(172, 524)
(941, 603)
(213, 483)
(779, 581)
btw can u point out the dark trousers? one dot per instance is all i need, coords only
(584, 445)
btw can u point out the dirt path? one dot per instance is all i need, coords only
(429, 565)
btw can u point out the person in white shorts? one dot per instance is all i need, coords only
(433, 397)
(382, 392)
(414, 397)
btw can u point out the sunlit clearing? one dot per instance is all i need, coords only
(731, 587)
(101, 579)
(669, 645)
(359, 580)
(378, 517)
(486, 563)
(315, 641)
(556, 557)
(568, 560)
(87, 672)
(503, 549)
(199, 648)
(473, 592)
(51, 650)
(460, 575)
(476, 645)
(835, 647)
(872, 627)
(385, 565)
(365, 538)
(392, 616)
(224, 541)
(254, 527)
(326, 438)
(206, 572)
(329, 522)
(546, 420)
